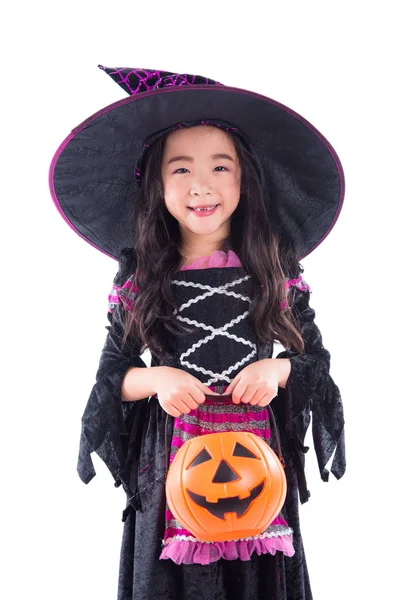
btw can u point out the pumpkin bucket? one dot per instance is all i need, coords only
(226, 486)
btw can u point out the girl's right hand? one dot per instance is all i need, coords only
(179, 392)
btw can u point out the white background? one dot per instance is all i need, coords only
(337, 65)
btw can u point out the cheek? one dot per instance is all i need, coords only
(230, 186)
(174, 189)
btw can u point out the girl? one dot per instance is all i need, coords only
(208, 196)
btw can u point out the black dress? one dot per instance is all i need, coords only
(130, 437)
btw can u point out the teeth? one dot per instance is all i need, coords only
(211, 208)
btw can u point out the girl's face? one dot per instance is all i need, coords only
(200, 167)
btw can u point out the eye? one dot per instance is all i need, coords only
(202, 457)
(243, 452)
(183, 169)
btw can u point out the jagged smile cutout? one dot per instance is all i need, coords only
(227, 505)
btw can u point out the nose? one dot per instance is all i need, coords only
(224, 473)
(201, 185)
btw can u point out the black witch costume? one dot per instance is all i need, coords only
(135, 438)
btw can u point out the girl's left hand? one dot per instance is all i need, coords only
(256, 384)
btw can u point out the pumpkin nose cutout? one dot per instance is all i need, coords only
(224, 473)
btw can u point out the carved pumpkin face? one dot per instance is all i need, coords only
(225, 486)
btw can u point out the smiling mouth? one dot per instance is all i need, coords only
(205, 209)
(227, 505)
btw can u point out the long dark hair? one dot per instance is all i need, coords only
(253, 237)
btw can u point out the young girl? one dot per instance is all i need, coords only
(208, 196)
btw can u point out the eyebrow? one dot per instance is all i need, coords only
(190, 158)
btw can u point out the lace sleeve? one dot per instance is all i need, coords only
(311, 390)
(107, 420)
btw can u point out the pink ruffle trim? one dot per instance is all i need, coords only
(218, 258)
(189, 553)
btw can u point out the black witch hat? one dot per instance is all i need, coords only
(95, 173)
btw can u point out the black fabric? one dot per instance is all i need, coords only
(130, 438)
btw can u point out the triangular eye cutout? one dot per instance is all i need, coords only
(241, 451)
(202, 457)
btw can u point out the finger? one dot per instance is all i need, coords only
(265, 400)
(200, 391)
(190, 401)
(230, 387)
(235, 397)
(256, 398)
(249, 394)
(173, 411)
(210, 392)
(238, 393)
(198, 395)
(273, 393)
(184, 410)
(183, 404)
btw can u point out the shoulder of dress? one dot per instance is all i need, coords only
(297, 282)
(123, 289)
(122, 294)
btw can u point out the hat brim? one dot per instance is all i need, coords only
(92, 174)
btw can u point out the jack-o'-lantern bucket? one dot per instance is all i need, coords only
(226, 486)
